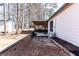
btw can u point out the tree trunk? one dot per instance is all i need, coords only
(17, 24)
(4, 21)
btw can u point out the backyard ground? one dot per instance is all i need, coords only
(35, 46)
(8, 40)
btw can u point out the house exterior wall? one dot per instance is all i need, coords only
(67, 24)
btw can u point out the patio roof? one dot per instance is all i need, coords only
(40, 22)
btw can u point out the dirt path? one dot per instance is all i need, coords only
(38, 46)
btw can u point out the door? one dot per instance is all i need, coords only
(51, 26)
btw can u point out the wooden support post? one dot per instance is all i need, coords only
(34, 26)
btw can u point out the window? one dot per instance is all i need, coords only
(51, 26)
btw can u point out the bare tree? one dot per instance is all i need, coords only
(4, 21)
(17, 24)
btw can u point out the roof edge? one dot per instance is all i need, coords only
(60, 10)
